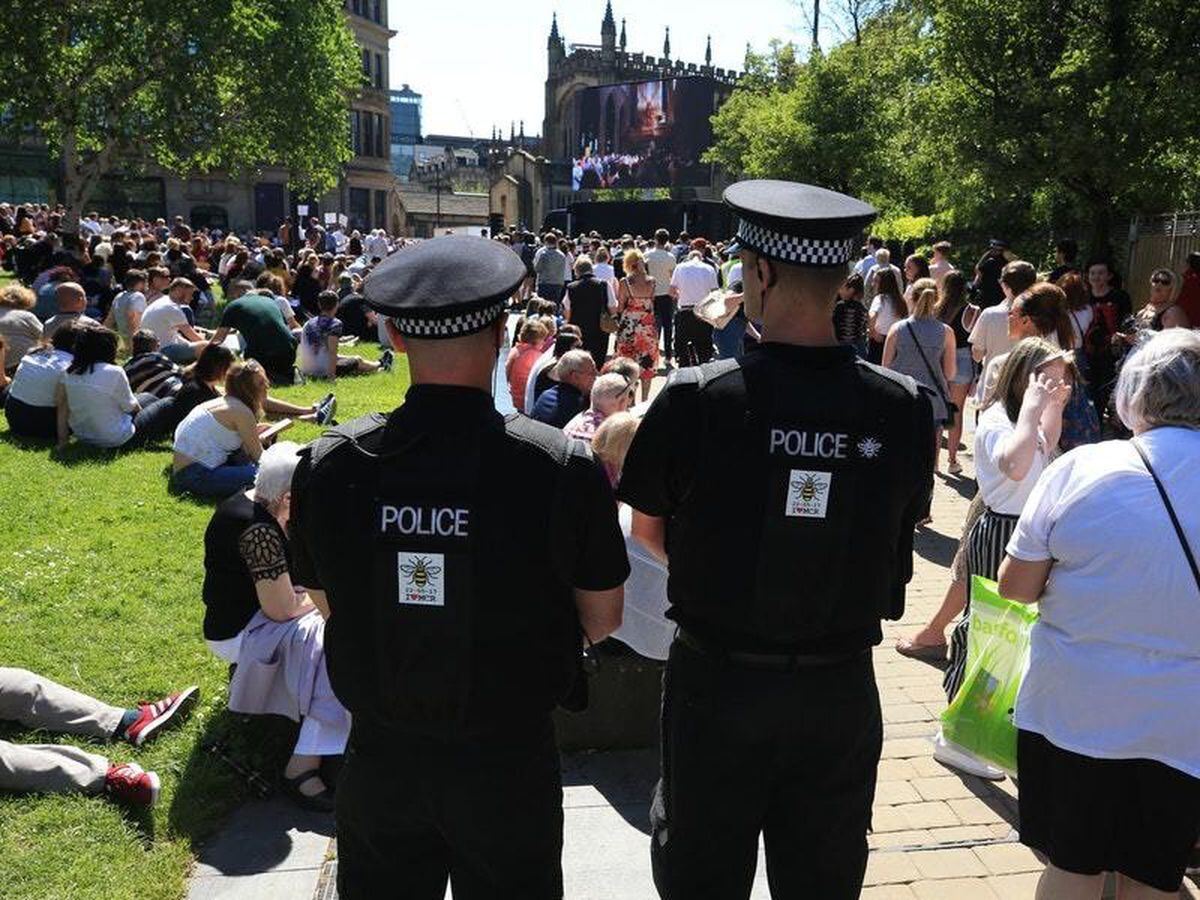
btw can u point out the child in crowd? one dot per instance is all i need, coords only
(319, 345)
(149, 371)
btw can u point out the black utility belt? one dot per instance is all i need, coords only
(774, 662)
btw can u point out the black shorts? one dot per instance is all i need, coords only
(1134, 816)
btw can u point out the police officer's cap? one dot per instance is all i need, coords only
(446, 287)
(797, 223)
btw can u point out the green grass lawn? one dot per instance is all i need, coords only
(100, 572)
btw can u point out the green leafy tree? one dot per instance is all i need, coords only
(192, 85)
(1083, 109)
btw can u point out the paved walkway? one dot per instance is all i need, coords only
(936, 834)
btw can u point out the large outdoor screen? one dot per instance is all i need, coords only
(643, 134)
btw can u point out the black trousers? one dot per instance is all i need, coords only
(487, 815)
(790, 755)
(694, 331)
(664, 318)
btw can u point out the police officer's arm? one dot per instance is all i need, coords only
(303, 565)
(660, 464)
(600, 566)
(921, 487)
(261, 548)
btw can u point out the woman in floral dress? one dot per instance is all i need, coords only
(637, 335)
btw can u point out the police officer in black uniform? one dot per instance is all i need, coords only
(457, 614)
(783, 487)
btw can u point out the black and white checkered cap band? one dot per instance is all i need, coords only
(457, 326)
(802, 251)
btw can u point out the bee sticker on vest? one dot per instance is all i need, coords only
(808, 494)
(421, 581)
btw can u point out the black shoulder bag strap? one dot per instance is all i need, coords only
(1162, 492)
(937, 382)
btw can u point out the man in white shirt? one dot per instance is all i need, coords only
(883, 262)
(863, 266)
(691, 282)
(989, 336)
(179, 341)
(125, 314)
(660, 265)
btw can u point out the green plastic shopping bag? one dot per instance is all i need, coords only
(980, 719)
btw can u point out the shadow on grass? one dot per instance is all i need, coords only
(236, 759)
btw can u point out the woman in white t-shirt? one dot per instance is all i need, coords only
(94, 400)
(31, 406)
(886, 310)
(1108, 750)
(1015, 439)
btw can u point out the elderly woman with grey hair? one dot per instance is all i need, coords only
(611, 393)
(269, 628)
(1108, 747)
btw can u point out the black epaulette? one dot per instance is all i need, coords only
(703, 374)
(910, 384)
(547, 438)
(347, 433)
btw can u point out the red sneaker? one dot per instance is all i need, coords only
(153, 716)
(129, 783)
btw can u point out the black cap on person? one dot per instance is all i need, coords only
(798, 224)
(446, 287)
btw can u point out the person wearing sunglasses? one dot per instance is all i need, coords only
(1160, 312)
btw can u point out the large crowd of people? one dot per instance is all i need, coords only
(1057, 369)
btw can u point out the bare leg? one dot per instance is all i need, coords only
(1055, 884)
(278, 407)
(366, 366)
(958, 396)
(1129, 889)
(937, 448)
(934, 634)
(300, 764)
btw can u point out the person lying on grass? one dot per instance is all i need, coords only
(38, 703)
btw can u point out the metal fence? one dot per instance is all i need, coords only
(1159, 242)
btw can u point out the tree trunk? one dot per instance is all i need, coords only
(79, 179)
(1100, 238)
(816, 42)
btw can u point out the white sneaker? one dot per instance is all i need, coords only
(956, 757)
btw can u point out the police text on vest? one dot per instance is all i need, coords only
(426, 521)
(813, 444)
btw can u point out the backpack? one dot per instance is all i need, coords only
(1080, 422)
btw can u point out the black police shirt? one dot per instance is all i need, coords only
(791, 481)
(451, 598)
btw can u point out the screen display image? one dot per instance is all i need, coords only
(644, 134)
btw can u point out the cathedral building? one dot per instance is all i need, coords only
(574, 67)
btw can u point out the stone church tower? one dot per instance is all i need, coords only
(591, 65)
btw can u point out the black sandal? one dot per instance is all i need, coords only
(322, 802)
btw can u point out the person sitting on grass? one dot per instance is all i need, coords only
(257, 619)
(94, 400)
(319, 345)
(149, 371)
(38, 703)
(5, 381)
(261, 324)
(72, 302)
(217, 445)
(30, 405)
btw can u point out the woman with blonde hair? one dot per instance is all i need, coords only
(923, 348)
(1015, 439)
(637, 333)
(217, 445)
(20, 328)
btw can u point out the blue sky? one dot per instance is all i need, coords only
(483, 62)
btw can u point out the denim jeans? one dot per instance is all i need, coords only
(729, 338)
(220, 482)
(179, 353)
